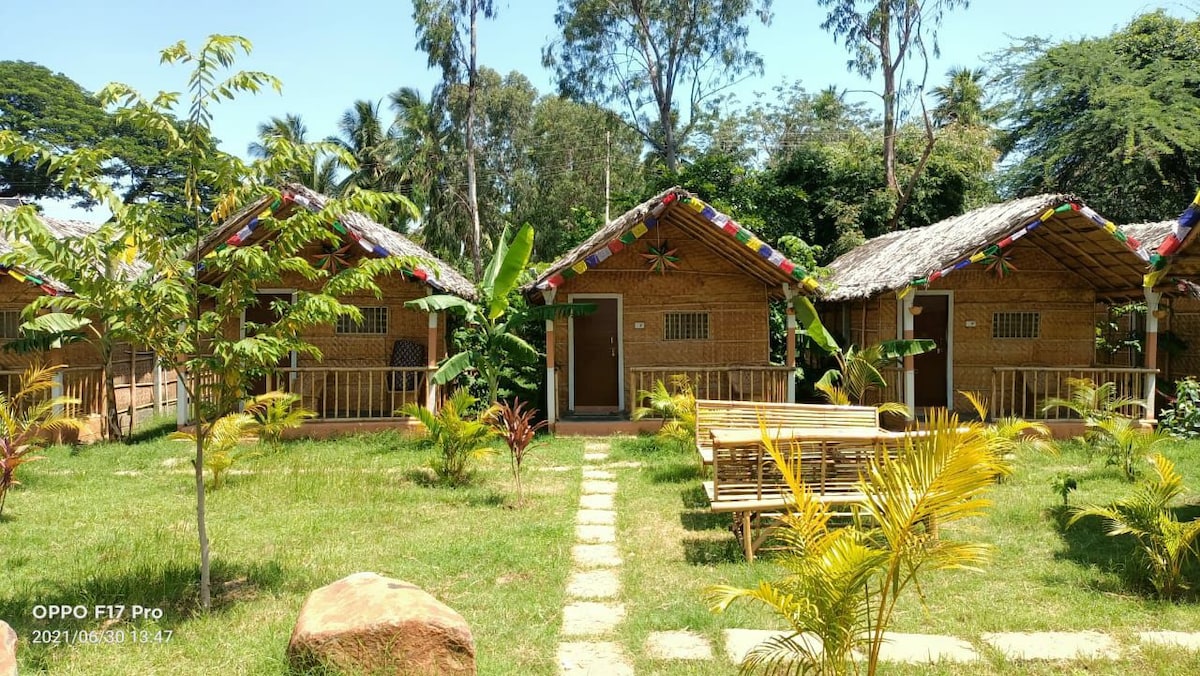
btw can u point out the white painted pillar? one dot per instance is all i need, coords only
(56, 390)
(156, 392)
(910, 373)
(182, 405)
(1151, 351)
(551, 380)
(431, 389)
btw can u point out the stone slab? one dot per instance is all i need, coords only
(595, 457)
(600, 517)
(591, 618)
(598, 474)
(1054, 645)
(596, 446)
(739, 642)
(593, 487)
(925, 649)
(593, 534)
(596, 501)
(678, 645)
(595, 556)
(594, 584)
(1189, 640)
(600, 658)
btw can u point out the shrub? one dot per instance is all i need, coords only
(675, 405)
(27, 416)
(1124, 442)
(276, 412)
(1182, 417)
(1091, 402)
(221, 441)
(458, 438)
(515, 426)
(1166, 544)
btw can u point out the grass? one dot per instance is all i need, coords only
(114, 524)
(1041, 578)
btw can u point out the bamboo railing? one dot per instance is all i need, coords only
(768, 384)
(1023, 390)
(354, 393)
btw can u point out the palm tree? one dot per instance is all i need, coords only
(372, 143)
(28, 419)
(960, 100)
(316, 170)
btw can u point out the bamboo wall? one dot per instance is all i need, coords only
(705, 282)
(1040, 284)
(1184, 321)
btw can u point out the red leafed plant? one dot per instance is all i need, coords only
(515, 425)
(28, 419)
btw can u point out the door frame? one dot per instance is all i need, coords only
(910, 384)
(269, 292)
(571, 298)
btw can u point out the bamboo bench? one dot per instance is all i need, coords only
(748, 483)
(711, 413)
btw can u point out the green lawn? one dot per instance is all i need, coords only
(114, 524)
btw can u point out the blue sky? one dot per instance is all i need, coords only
(328, 54)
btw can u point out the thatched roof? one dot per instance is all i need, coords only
(373, 237)
(1084, 241)
(683, 209)
(1150, 234)
(62, 229)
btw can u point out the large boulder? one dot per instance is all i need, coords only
(8, 650)
(367, 623)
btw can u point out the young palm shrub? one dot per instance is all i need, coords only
(27, 417)
(1166, 543)
(1090, 401)
(276, 412)
(676, 405)
(514, 424)
(841, 585)
(221, 441)
(1124, 442)
(458, 438)
(1011, 436)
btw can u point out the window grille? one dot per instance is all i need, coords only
(685, 326)
(10, 324)
(374, 321)
(1016, 324)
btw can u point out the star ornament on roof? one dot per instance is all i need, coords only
(335, 260)
(661, 257)
(1001, 264)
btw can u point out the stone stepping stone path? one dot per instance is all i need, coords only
(1054, 645)
(593, 609)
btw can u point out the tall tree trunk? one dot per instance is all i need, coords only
(472, 194)
(889, 96)
(669, 154)
(911, 186)
(201, 522)
(112, 419)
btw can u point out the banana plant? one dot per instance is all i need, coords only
(494, 317)
(860, 369)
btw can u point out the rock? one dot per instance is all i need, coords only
(367, 623)
(8, 650)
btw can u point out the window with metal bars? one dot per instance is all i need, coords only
(685, 326)
(1016, 324)
(10, 324)
(374, 322)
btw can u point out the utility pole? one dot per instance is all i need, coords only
(607, 169)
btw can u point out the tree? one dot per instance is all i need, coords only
(960, 100)
(48, 109)
(1115, 118)
(885, 36)
(642, 54)
(493, 319)
(319, 174)
(447, 31)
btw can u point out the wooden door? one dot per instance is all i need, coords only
(261, 313)
(596, 350)
(932, 367)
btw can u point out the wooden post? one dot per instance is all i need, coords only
(182, 406)
(790, 311)
(551, 384)
(910, 373)
(431, 363)
(1151, 351)
(56, 390)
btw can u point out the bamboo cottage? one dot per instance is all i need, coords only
(1008, 292)
(368, 369)
(141, 386)
(679, 288)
